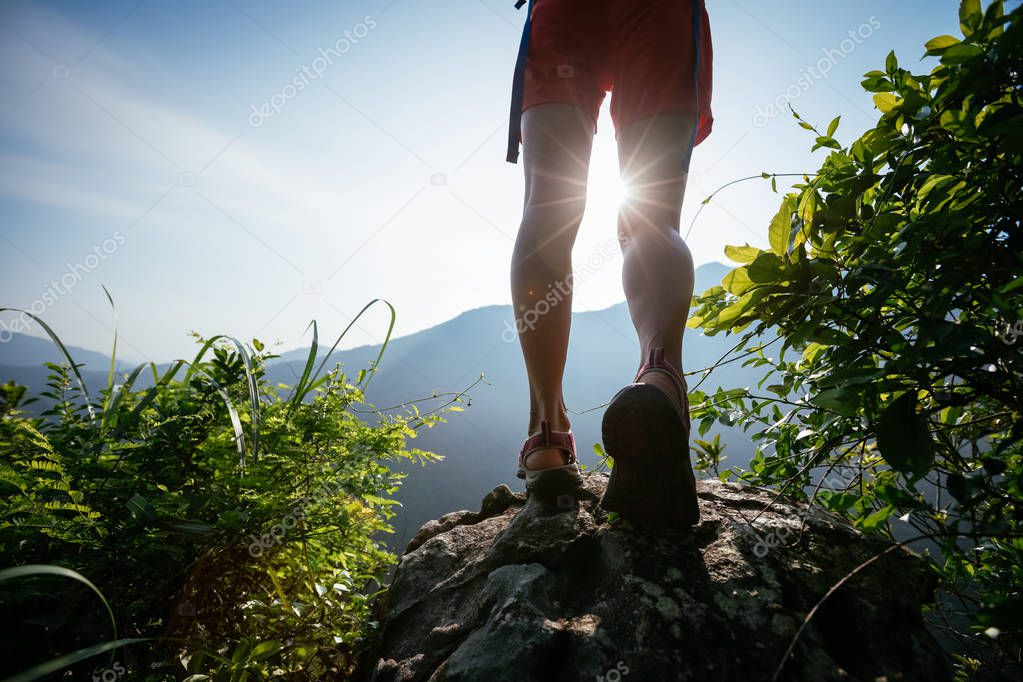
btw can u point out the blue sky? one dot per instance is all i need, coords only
(130, 156)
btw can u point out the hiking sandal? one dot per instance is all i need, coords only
(646, 432)
(551, 481)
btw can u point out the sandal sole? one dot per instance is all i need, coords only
(549, 484)
(652, 480)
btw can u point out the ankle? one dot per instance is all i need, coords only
(558, 420)
(672, 354)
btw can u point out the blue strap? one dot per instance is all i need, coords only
(518, 86)
(697, 33)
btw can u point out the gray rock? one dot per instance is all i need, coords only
(522, 591)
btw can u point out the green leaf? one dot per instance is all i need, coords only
(969, 16)
(192, 527)
(886, 101)
(890, 62)
(939, 43)
(807, 207)
(829, 142)
(964, 488)
(141, 508)
(833, 126)
(742, 254)
(766, 268)
(838, 501)
(955, 122)
(957, 54)
(382, 501)
(903, 436)
(265, 650)
(877, 519)
(811, 352)
(877, 83)
(840, 400)
(1012, 286)
(737, 281)
(931, 183)
(778, 231)
(734, 311)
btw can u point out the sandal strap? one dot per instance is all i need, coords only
(656, 362)
(548, 438)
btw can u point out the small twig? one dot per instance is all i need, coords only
(813, 611)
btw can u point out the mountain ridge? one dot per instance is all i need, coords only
(481, 444)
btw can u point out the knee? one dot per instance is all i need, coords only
(643, 232)
(550, 229)
(562, 210)
(652, 238)
(651, 208)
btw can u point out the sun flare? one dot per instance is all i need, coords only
(608, 187)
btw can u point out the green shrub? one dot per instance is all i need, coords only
(234, 526)
(894, 284)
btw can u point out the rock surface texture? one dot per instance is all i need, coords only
(524, 591)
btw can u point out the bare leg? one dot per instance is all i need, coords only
(556, 144)
(657, 274)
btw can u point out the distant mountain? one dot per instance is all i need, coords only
(33, 351)
(481, 445)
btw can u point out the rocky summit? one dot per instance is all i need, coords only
(522, 590)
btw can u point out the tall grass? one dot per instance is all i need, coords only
(232, 526)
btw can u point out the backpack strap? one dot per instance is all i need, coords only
(697, 57)
(518, 87)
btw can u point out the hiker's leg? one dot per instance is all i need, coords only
(662, 57)
(658, 268)
(556, 144)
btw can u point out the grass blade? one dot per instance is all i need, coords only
(307, 370)
(113, 354)
(315, 381)
(383, 346)
(117, 393)
(45, 569)
(236, 422)
(158, 383)
(61, 662)
(253, 391)
(254, 403)
(198, 356)
(64, 351)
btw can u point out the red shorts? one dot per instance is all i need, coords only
(653, 55)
